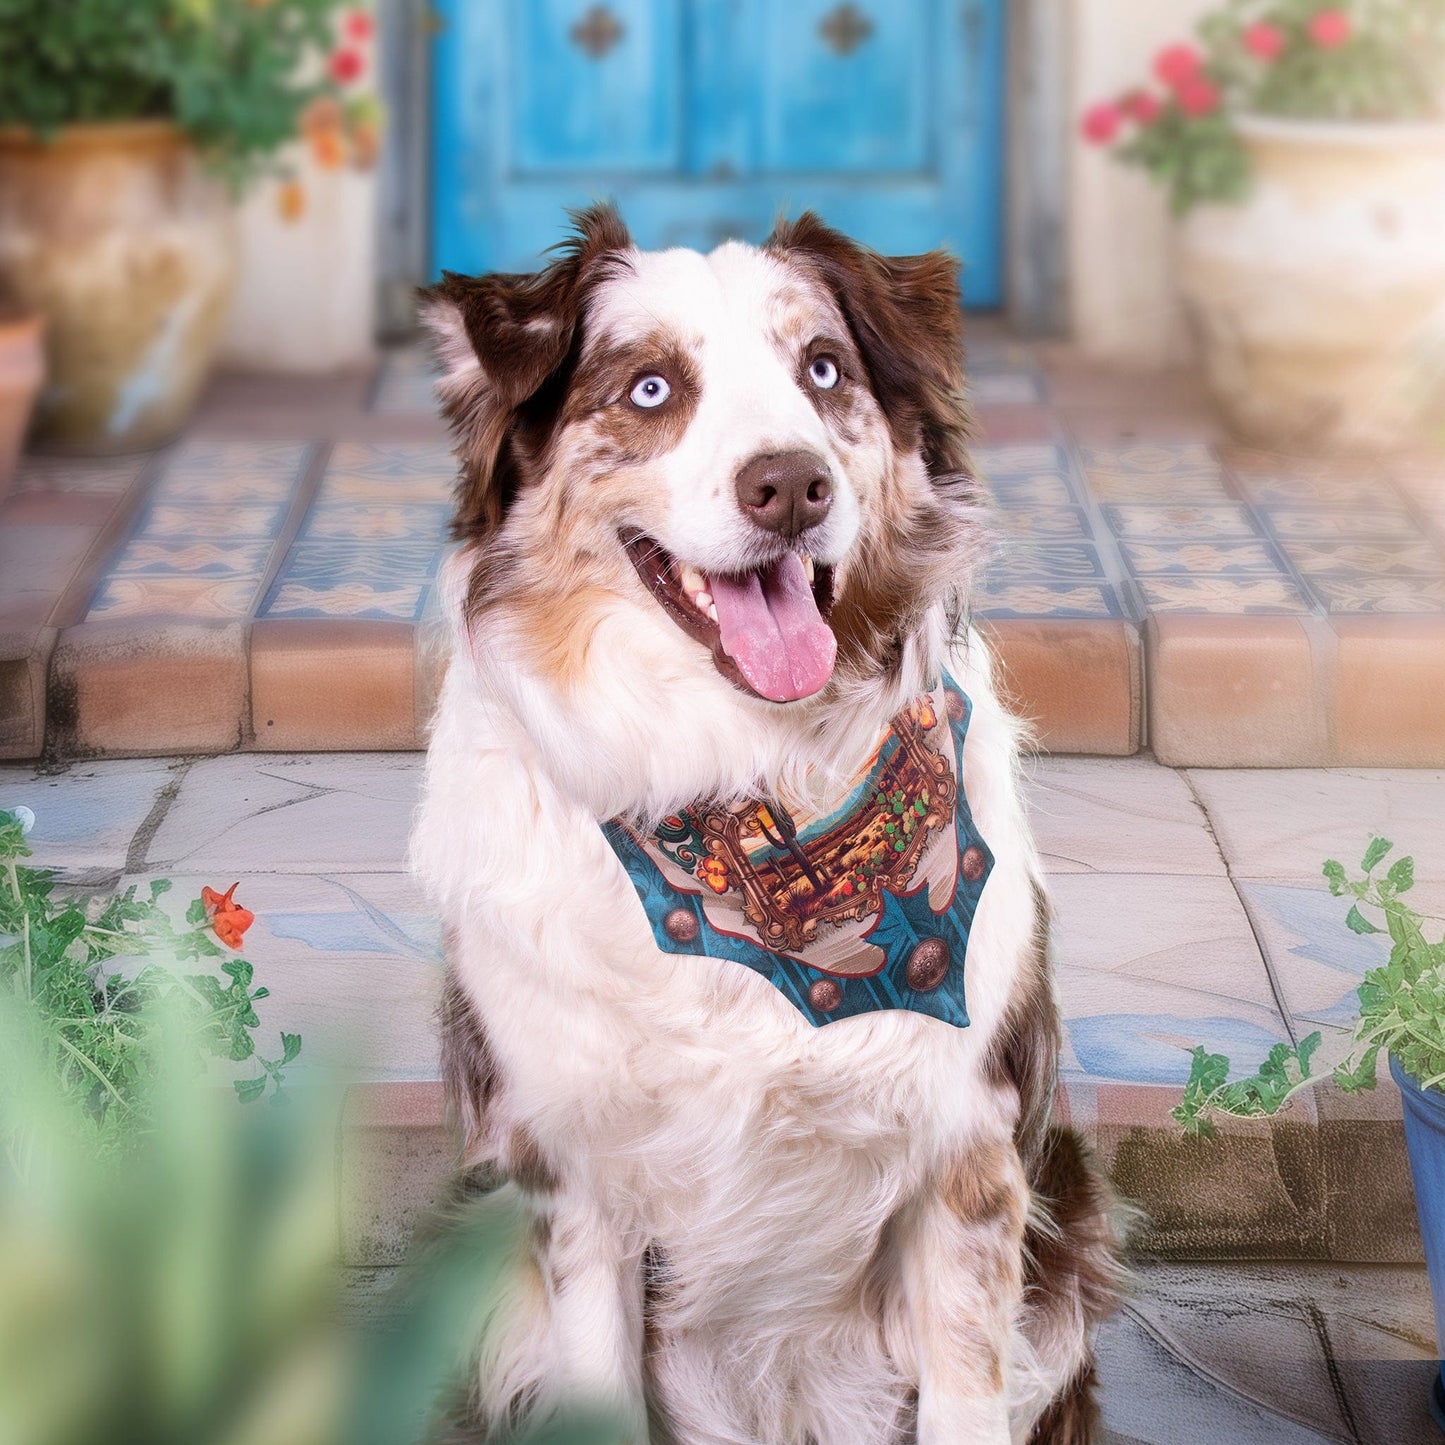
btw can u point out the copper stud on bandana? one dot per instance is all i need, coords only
(927, 965)
(826, 994)
(681, 925)
(973, 864)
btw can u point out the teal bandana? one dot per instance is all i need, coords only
(866, 907)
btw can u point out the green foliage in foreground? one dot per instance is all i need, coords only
(229, 72)
(89, 974)
(1402, 1009)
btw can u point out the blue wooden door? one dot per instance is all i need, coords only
(705, 119)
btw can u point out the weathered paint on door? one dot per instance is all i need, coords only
(705, 119)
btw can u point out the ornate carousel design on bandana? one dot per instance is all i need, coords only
(865, 908)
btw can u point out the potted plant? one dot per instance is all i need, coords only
(126, 129)
(1402, 1013)
(1303, 150)
(22, 365)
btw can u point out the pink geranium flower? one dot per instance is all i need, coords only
(1265, 41)
(1101, 123)
(1198, 97)
(1330, 29)
(1142, 107)
(1176, 64)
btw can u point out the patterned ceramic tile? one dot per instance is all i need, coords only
(353, 579)
(392, 459)
(1020, 459)
(163, 557)
(1235, 594)
(422, 488)
(1327, 491)
(198, 598)
(203, 542)
(1045, 524)
(1151, 472)
(1009, 596)
(206, 456)
(1042, 489)
(1186, 558)
(1384, 522)
(377, 521)
(1064, 561)
(164, 518)
(1402, 595)
(216, 488)
(1190, 522)
(1391, 559)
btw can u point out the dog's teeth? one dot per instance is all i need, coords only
(808, 567)
(692, 581)
(702, 601)
(712, 610)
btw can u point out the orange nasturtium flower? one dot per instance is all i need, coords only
(291, 200)
(227, 917)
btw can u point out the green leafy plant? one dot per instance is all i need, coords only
(237, 75)
(1402, 1009)
(1350, 60)
(97, 978)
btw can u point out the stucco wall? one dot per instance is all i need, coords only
(1122, 299)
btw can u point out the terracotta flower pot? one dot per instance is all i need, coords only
(1320, 300)
(117, 235)
(22, 368)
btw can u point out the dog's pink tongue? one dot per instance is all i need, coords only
(772, 629)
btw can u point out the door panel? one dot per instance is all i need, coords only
(704, 119)
(594, 87)
(840, 88)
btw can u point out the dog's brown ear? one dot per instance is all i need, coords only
(907, 320)
(500, 340)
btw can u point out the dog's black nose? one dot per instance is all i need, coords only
(785, 492)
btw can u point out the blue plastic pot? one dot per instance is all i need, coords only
(1425, 1139)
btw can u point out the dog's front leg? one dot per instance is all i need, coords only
(595, 1291)
(962, 1265)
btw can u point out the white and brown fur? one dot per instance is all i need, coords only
(747, 1229)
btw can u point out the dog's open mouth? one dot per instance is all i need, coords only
(766, 629)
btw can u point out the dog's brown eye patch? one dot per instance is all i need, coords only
(639, 394)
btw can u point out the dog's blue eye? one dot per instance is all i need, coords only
(651, 391)
(824, 373)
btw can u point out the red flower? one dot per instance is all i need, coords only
(358, 25)
(1330, 29)
(1142, 107)
(1101, 123)
(1264, 40)
(1198, 98)
(227, 917)
(1177, 64)
(346, 66)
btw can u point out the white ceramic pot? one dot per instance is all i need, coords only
(1320, 301)
(306, 297)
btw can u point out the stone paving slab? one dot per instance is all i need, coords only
(267, 582)
(1231, 1355)
(1165, 937)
